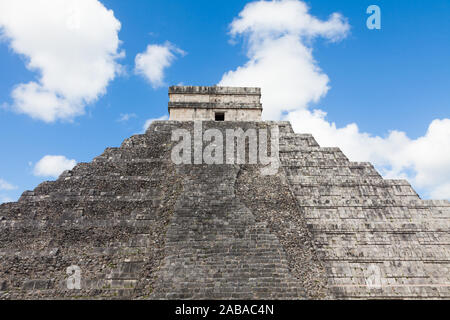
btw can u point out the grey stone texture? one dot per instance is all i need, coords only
(141, 227)
(360, 221)
(189, 103)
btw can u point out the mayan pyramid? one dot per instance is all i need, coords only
(139, 226)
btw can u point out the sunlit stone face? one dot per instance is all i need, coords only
(205, 103)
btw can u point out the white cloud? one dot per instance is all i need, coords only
(4, 185)
(53, 166)
(152, 63)
(280, 61)
(71, 44)
(271, 19)
(149, 122)
(124, 117)
(424, 161)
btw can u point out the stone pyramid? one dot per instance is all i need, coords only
(140, 227)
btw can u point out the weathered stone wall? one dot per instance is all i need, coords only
(273, 205)
(201, 103)
(208, 114)
(140, 227)
(108, 217)
(368, 230)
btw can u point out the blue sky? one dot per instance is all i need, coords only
(387, 90)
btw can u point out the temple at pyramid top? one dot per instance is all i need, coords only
(188, 103)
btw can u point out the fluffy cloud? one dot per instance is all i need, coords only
(73, 46)
(53, 166)
(149, 122)
(152, 63)
(424, 161)
(6, 186)
(280, 61)
(124, 117)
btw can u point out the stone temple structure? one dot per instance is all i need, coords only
(133, 224)
(215, 103)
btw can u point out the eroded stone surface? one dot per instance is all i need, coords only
(108, 217)
(376, 237)
(140, 227)
(188, 103)
(273, 205)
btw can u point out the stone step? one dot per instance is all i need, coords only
(374, 214)
(361, 225)
(381, 238)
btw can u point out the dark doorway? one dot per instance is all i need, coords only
(220, 116)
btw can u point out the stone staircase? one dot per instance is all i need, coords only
(215, 249)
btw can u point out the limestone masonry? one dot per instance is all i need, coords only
(140, 227)
(215, 103)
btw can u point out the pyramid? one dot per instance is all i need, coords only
(138, 226)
